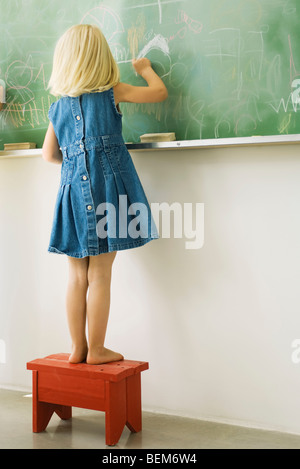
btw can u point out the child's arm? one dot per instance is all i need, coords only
(155, 92)
(51, 150)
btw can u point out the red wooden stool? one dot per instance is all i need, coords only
(114, 388)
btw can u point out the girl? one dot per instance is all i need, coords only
(99, 185)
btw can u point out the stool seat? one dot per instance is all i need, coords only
(114, 388)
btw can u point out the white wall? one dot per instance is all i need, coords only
(216, 324)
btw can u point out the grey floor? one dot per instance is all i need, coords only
(86, 430)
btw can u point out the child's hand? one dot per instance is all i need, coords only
(140, 65)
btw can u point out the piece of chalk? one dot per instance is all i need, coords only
(158, 137)
(20, 146)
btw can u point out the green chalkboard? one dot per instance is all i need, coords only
(232, 67)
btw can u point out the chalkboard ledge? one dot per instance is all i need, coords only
(181, 145)
(215, 143)
(20, 153)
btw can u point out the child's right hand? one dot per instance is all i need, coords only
(155, 92)
(140, 65)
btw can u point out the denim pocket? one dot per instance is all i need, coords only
(123, 159)
(111, 159)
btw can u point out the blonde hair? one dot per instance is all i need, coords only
(82, 63)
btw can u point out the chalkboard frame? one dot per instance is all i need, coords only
(226, 47)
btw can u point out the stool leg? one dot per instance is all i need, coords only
(43, 411)
(134, 403)
(115, 411)
(63, 411)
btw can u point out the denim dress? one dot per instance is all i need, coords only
(101, 205)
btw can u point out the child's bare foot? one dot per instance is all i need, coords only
(78, 354)
(102, 355)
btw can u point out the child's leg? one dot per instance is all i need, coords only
(98, 304)
(76, 307)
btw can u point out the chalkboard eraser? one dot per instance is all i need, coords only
(19, 146)
(159, 137)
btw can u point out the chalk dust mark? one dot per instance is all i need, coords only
(135, 35)
(284, 126)
(158, 42)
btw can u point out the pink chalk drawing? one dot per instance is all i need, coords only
(193, 25)
(293, 71)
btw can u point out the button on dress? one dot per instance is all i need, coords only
(101, 205)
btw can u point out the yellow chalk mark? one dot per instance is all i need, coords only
(149, 109)
(135, 34)
(283, 128)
